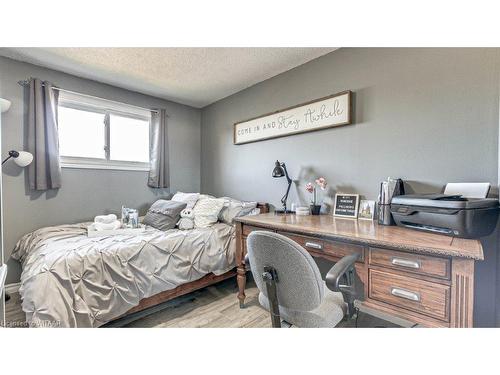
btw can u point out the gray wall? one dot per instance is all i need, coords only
(429, 116)
(85, 192)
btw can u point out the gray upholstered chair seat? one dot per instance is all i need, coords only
(327, 315)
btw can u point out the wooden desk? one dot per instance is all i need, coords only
(421, 277)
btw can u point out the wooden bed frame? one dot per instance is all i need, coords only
(187, 288)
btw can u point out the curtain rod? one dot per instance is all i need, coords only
(26, 83)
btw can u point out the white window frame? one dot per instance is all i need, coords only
(107, 108)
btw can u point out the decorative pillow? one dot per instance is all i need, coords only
(206, 212)
(163, 215)
(205, 196)
(234, 208)
(189, 198)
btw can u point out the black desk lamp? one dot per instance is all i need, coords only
(280, 171)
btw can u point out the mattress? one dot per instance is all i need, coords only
(71, 280)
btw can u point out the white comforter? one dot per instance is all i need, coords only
(71, 280)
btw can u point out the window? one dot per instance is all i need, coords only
(124, 133)
(81, 133)
(96, 133)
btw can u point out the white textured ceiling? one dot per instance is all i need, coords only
(192, 76)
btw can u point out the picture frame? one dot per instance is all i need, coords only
(346, 205)
(366, 210)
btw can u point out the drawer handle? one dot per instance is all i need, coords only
(405, 263)
(314, 245)
(405, 294)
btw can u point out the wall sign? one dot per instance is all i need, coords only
(346, 205)
(333, 110)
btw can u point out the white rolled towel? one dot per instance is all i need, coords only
(105, 219)
(111, 226)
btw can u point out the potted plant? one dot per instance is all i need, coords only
(311, 188)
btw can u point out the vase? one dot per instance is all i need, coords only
(315, 209)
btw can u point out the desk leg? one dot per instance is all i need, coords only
(462, 293)
(242, 281)
(241, 277)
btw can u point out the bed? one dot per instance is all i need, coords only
(71, 280)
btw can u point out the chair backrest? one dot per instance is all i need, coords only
(300, 286)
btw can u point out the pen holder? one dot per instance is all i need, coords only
(384, 214)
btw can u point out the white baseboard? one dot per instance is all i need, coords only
(12, 288)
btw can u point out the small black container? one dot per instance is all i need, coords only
(315, 209)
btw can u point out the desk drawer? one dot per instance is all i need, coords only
(333, 248)
(415, 263)
(341, 249)
(431, 299)
(309, 243)
(247, 229)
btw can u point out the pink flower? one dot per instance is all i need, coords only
(322, 183)
(309, 187)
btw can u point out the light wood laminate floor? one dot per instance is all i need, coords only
(215, 306)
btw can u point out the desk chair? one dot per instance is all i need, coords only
(291, 286)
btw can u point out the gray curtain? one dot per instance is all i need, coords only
(159, 174)
(44, 172)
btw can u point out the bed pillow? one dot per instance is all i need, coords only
(234, 208)
(206, 212)
(189, 198)
(205, 196)
(163, 214)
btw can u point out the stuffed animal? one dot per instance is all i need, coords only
(187, 219)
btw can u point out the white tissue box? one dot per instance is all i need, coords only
(92, 232)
